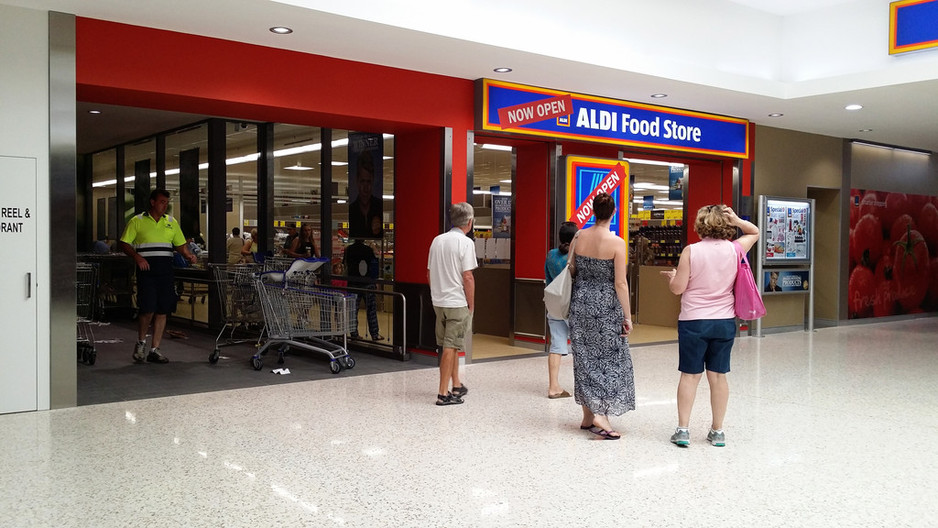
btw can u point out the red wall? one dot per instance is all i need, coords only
(416, 202)
(531, 211)
(150, 68)
(706, 185)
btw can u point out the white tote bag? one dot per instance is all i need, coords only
(557, 293)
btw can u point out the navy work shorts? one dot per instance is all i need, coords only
(156, 293)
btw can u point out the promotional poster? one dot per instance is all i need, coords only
(587, 177)
(785, 281)
(893, 254)
(786, 224)
(365, 185)
(676, 183)
(501, 216)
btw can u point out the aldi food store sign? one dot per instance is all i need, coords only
(520, 109)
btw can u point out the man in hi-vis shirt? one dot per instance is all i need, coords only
(149, 239)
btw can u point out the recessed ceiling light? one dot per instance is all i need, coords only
(502, 70)
(853, 107)
(659, 95)
(94, 111)
(281, 30)
(866, 130)
(297, 167)
(775, 114)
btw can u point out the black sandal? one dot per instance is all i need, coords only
(606, 435)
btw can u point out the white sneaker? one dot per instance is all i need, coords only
(140, 352)
(155, 357)
(716, 438)
(681, 437)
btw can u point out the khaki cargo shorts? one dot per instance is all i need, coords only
(451, 326)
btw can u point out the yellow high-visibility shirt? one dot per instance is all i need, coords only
(153, 238)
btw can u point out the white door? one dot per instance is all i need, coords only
(19, 352)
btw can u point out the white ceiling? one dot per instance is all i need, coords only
(806, 59)
(789, 7)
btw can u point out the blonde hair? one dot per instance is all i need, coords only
(711, 223)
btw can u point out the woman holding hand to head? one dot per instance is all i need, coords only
(706, 326)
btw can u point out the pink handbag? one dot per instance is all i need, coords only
(748, 299)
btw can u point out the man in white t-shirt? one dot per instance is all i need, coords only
(452, 289)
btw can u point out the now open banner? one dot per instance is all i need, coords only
(585, 178)
(528, 110)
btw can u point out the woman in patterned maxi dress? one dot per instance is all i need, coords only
(604, 383)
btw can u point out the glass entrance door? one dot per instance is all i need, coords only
(492, 202)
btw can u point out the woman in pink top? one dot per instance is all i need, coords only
(706, 327)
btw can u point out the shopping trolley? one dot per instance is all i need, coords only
(240, 306)
(86, 288)
(300, 272)
(278, 263)
(303, 317)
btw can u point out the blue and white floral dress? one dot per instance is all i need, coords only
(602, 365)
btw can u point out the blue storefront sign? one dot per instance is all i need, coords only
(527, 110)
(913, 25)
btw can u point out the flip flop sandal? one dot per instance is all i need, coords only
(606, 435)
(563, 394)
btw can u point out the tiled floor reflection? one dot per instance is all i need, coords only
(832, 428)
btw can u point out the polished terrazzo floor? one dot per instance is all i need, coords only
(485, 347)
(831, 428)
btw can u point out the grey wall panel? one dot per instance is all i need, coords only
(62, 201)
(884, 169)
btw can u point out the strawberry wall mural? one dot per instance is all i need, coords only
(893, 254)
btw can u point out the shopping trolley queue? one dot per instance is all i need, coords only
(290, 310)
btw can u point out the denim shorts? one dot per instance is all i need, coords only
(705, 344)
(559, 334)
